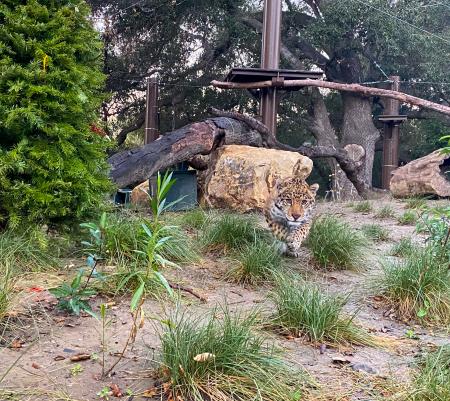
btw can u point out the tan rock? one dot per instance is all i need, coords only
(242, 176)
(139, 195)
(421, 177)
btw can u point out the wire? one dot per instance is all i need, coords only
(139, 2)
(424, 83)
(404, 21)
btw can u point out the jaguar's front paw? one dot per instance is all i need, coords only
(293, 254)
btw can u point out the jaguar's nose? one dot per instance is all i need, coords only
(296, 216)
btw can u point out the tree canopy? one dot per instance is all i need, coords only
(188, 43)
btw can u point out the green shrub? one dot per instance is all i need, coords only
(407, 218)
(385, 212)
(232, 231)
(334, 244)
(418, 286)
(432, 380)
(403, 248)
(255, 263)
(52, 165)
(363, 207)
(223, 359)
(375, 232)
(303, 309)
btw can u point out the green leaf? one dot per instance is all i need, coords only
(164, 282)
(422, 313)
(103, 220)
(147, 230)
(77, 280)
(137, 296)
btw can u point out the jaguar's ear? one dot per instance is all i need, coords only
(313, 188)
(301, 169)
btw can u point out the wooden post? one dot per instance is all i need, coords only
(270, 59)
(391, 136)
(151, 111)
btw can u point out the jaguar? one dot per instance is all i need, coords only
(290, 209)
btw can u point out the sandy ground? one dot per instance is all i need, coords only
(38, 343)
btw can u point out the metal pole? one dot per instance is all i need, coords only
(391, 137)
(151, 111)
(270, 59)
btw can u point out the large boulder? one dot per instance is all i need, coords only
(240, 177)
(422, 176)
(139, 194)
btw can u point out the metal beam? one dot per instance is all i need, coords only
(391, 136)
(270, 58)
(151, 111)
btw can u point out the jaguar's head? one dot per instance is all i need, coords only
(294, 198)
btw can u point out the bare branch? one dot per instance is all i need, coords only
(355, 88)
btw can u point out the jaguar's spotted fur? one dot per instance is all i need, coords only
(289, 211)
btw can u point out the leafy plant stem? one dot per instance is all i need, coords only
(131, 337)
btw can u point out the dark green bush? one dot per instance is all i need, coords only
(52, 164)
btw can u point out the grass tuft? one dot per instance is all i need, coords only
(334, 244)
(432, 381)
(25, 252)
(303, 309)
(223, 359)
(407, 218)
(415, 202)
(363, 207)
(403, 248)
(255, 264)
(230, 232)
(375, 232)
(418, 287)
(6, 294)
(386, 212)
(194, 219)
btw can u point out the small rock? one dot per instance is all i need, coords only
(363, 367)
(338, 360)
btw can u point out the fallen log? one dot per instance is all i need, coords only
(131, 167)
(355, 88)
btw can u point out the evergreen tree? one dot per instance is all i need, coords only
(52, 164)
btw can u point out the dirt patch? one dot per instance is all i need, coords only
(40, 341)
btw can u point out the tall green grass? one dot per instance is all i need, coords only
(303, 309)
(418, 287)
(6, 293)
(230, 232)
(432, 380)
(124, 235)
(222, 358)
(335, 244)
(255, 263)
(27, 251)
